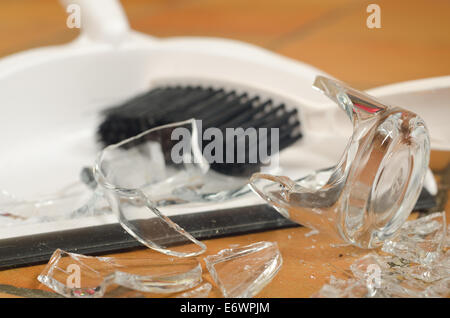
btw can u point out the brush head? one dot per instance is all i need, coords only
(250, 126)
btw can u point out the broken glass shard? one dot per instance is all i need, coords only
(429, 273)
(401, 288)
(70, 202)
(312, 232)
(139, 177)
(242, 272)
(339, 288)
(361, 267)
(419, 241)
(384, 266)
(199, 292)
(75, 275)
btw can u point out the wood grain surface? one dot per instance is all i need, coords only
(413, 42)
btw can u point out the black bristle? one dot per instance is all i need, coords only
(215, 107)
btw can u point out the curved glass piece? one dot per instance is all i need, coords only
(79, 276)
(243, 271)
(369, 194)
(159, 167)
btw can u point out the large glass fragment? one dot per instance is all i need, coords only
(242, 272)
(143, 173)
(75, 275)
(367, 196)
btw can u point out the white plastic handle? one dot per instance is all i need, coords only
(101, 20)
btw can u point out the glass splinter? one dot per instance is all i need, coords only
(242, 272)
(79, 276)
(339, 288)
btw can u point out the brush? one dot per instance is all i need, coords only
(216, 108)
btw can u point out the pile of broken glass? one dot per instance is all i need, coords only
(414, 264)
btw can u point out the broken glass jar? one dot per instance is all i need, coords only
(369, 194)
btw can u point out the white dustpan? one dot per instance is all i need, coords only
(52, 96)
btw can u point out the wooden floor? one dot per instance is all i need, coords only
(413, 42)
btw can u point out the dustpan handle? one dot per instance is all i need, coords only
(101, 20)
